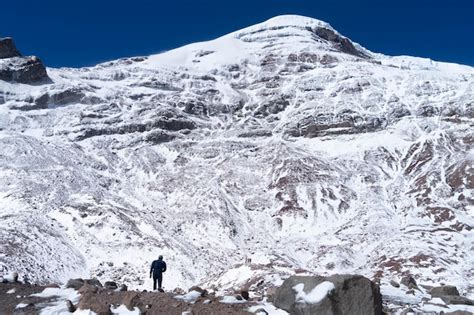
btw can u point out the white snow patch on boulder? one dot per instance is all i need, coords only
(316, 295)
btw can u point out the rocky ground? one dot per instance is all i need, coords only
(298, 295)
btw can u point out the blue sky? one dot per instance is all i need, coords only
(81, 33)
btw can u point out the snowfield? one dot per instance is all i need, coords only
(279, 147)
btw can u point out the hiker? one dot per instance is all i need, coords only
(157, 269)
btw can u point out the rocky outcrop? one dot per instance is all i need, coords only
(8, 48)
(14, 67)
(450, 295)
(341, 43)
(22, 69)
(444, 290)
(337, 294)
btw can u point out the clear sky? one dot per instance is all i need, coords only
(82, 33)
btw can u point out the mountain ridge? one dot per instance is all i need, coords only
(292, 154)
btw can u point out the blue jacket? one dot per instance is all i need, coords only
(158, 267)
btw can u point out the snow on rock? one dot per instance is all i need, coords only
(189, 297)
(316, 295)
(61, 295)
(21, 305)
(123, 310)
(231, 300)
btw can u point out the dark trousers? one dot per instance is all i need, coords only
(157, 277)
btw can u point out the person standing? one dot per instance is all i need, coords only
(156, 270)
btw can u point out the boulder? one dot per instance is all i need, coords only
(22, 69)
(245, 294)
(75, 284)
(337, 294)
(123, 288)
(70, 306)
(111, 285)
(409, 282)
(93, 282)
(8, 48)
(394, 283)
(444, 290)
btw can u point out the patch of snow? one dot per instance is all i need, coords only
(11, 291)
(317, 294)
(123, 310)
(21, 305)
(228, 299)
(59, 306)
(269, 308)
(189, 297)
(9, 277)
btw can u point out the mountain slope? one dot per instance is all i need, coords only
(284, 143)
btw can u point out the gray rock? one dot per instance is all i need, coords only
(70, 306)
(394, 283)
(245, 294)
(353, 294)
(341, 43)
(444, 290)
(456, 299)
(93, 282)
(75, 284)
(112, 285)
(123, 288)
(8, 48)
(409, 282)
(22, 69)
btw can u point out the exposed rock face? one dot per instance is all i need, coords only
(444, 290)
(14, 67)
(8, 48)
(22, 69)
(352, 294)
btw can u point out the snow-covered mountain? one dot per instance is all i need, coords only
(278, 147)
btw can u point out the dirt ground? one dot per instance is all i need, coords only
(101, 301)
(8, 301)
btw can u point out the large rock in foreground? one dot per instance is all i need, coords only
(337, 294)
(8, 48)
